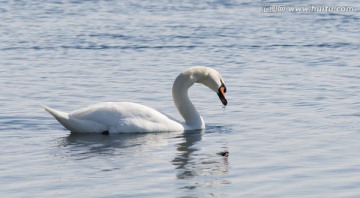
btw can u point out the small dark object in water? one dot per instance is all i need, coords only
(224, 153)
(105, 132)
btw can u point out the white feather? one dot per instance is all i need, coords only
(127, 117)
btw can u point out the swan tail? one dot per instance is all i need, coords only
(77, 125)
(60, 116)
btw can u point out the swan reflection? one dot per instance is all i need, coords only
(185, 150)
(126, 145)
(195, 163)
(190, 161)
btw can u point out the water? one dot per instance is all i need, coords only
(291, 126)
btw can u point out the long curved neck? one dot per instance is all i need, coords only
(182, 102)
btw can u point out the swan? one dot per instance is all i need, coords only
(127, 117)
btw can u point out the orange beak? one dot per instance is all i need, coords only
(221, 94)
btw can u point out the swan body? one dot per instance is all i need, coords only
(116, 117)
(127, 117)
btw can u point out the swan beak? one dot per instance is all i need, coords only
(221, 94)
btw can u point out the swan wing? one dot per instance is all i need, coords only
(118, 117)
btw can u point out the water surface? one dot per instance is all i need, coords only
(291, 126)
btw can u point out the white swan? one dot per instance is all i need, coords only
(126, 117)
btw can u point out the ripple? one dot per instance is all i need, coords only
(291, 126)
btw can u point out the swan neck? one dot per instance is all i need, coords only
(183, 104)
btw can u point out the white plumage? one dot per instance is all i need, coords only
(127, 117)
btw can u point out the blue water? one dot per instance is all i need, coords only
(292, 125)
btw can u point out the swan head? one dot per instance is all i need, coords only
(210, 78)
